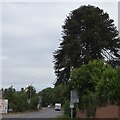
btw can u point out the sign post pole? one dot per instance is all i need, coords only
(74, 98)
(71, 112)
(71, 107)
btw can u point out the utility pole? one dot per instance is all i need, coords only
(74, 98)
(30, 92)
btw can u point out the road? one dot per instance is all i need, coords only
(44, 113)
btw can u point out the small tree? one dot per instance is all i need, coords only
(85, 78)
(107, 89)
(97, 84)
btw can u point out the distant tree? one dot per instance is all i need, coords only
(22, 89)
(11, 95)
(60, 93)
(18, 100)
(46, 95)
(30, 91)
(88, 33)
(54, 95)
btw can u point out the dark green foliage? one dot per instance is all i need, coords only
(98, 84)
(86, 77)
(46, 95)
(89, 102)
(109, 86)
(18, 100)
(34, 102)
(30, 91)
(88, 33)
(61, 93)
(58, 94)
(66, 107)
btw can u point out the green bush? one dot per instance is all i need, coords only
(66, 108)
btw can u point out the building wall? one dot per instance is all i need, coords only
(110, 111)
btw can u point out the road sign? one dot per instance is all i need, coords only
(74, 96)
(3, 105)
(71, 105)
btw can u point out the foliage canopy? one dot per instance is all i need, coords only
(97, 84)
(88, 33)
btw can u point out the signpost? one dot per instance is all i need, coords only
(73, 99)
(71, 107)
(74, 96)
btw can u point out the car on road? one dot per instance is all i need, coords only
(49, 106)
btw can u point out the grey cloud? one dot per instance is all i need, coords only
(31, 32)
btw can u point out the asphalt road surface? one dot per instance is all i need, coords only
(44, 113)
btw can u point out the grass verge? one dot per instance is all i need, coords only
(63, 116)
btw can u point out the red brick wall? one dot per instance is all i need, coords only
(110, 111)
(119, 112)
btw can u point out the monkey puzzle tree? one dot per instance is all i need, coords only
(88, 33)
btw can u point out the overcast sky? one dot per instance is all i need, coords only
(30, 34)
